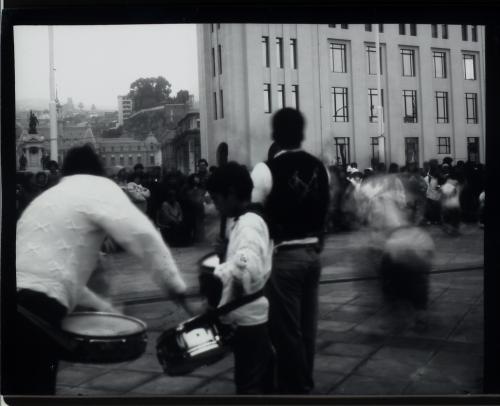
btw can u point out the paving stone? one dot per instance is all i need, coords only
(425, 387)
(119, 380)
(468, 332)
(219, 367)
(463, 348)
(409, 356)
(366, 385)
(388, 368)
(345, 316)
(335, 363)
(337, 298)
(351, 350)
(325, 381)
(81, 391)
(216, 387)
(146, 363)
(336, 326)
(77, 374)
(168, 385)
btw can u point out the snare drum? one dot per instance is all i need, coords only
(104, 337)
(196, 342)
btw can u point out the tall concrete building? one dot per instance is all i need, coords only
(124, 108)
(432, 87)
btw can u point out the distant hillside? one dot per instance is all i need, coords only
(32, 104)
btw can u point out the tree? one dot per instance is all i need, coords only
(182, 97)
(149, 92)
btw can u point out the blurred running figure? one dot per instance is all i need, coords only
(293, 186)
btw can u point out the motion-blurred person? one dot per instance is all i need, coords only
(433, 197)
(195, 209)
(450, 205)
(58, 239)
(482, 199)
(295, 194)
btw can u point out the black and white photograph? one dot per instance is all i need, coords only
(278, 209)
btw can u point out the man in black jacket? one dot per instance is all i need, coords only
(293, 186)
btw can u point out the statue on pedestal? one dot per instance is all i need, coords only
(33, 123)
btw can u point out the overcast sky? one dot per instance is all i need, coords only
(95, 64)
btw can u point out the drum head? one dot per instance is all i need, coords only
(100, 324)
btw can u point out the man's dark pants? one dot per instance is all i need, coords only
(292, 291)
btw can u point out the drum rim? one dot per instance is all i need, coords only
(141, 332)
(211, 254)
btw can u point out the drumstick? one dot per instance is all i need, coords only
(222, 234)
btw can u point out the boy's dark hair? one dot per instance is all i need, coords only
(82, 160)
(138, 166)
(288, 128)
(203, 160)
(231, 178)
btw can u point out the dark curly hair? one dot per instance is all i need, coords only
(82, 160)
(231, 178)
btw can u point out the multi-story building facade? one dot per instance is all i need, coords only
(432, 87)
(186, 143)
(124, 109)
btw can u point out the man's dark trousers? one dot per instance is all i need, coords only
(292, 291)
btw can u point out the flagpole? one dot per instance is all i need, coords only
(52, 103)
(380, 111)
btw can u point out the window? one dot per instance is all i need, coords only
(375, 150)
(442, 107)
(413, 29)
(112, 148)
(219, 52)
(332, 25)
(469, 67)
(439, 62)
(402, 29)
(344, 26)
(373, 104)
(138, 148)
(281, 96)
(408, 59)
(474, 33)
(368, 27)
(339, 104)
(295, 96)
(371, 54)
(139, 159)
(464, 33)
(265, 51)
(218, 26)
(444, 145)
(381, 28)
(279, 52)
(473, 149)
(471, 108)
(267, 97)
(122, 160)
(130, 160)
(215, 106)
(411, 150)
(151, 159)
(212, 27)
(221, 101)
(113, 160)
(410, 106)
(342, 151)
(444, 31)
(293, 53)
(338, 57)
(213, 62)
(434, 30)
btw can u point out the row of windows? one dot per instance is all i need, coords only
(343, 152)
(279, 52)
(281, 99)
(340, 106)
(121, 160)
(219, 58)
(129, 148)
(413, 30)
(338, 62)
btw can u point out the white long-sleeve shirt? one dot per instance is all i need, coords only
(248, 264)
(60, 234)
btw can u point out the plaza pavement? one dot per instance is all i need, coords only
(363, 347)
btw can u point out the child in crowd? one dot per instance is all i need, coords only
(247, 266)
(170, 219)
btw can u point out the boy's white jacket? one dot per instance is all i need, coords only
(248, 266)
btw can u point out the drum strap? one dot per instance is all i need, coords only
(55, 335)
(229, 307)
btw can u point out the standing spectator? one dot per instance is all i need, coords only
(155, 188)
(482, 199)
(54, 176)
(295, 193)
(170, 220)
(195, 215)
(203, 172)
(138, 193)
(41, 180)
(433, 197)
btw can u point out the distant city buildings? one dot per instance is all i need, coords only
(124, 109)
(432, 90)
